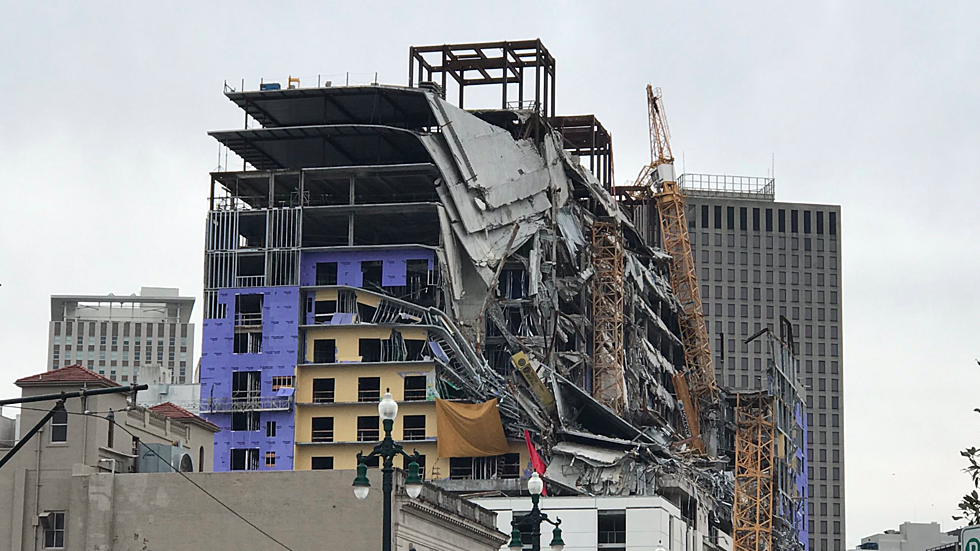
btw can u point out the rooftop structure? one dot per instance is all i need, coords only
(116, 336)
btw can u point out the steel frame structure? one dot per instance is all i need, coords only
(484, 63)
(754, 437)
(608, 297)
(585, 136)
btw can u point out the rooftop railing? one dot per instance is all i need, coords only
(717, 185)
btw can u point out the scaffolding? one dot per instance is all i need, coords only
(607, 315)
(754, 436)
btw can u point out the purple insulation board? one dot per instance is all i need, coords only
(279, 354)
(393, 269)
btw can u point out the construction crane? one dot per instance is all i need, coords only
(696, 386)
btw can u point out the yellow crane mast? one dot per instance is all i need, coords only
(697, 387)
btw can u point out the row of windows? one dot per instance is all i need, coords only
(778, 242)
(785, 295)
(104, 328)
(809, 261)
(822, 279)
(838, 545)
(758, 216)
(105, 341)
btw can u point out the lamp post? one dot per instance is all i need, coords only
(387, 450)
(533, 521)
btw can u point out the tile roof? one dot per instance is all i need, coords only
(177, 413)
(68, 374)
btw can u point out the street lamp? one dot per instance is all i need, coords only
(388, 450)
(533, 521)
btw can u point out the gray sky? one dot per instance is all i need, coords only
(874, 106)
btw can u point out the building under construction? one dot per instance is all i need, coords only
(398, 237)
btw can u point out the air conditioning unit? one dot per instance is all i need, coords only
(163, 458)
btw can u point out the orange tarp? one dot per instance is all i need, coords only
(469, 430)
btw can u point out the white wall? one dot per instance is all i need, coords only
(648, 521)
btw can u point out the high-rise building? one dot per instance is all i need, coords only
(116, 336)
(758, 260)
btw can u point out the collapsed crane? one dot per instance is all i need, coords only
(696, 386)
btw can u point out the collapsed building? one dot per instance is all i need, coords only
(385, 237)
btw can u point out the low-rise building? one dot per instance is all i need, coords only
(910, 536)
(609, 523)
(94, 433)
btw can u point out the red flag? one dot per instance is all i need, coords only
(536, 462)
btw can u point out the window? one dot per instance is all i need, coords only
(413, 427)
(717, 217)
(415, 388)
(369, 389)
(248, 342)
(246, 386)
(323, 429)
(612, 530)
(832, 223)
(324, 351)
(704, 216)
(326, 273)
(507, 466)
(245, 459)
(270, 459)
(743, 218)
(371, 274)
(59, 426)
(270, 429)
(819, 222)
(794, 219)
(54, 529)
(322, 463)
(367, 429)
(731, 218)
(369, 350)
(323, 390)
(782, 220)
(283, 382)
(245, 421)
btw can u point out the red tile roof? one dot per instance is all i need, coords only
(72, 374)
(177, 413)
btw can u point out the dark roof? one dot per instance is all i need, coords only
(72, 374)
(177, 413)
(324, 146)
(387, 105)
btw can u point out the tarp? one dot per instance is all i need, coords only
(469, 430)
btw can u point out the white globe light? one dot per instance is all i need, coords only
(361, 492)
(535, 485)
(661, 548)
(387, 408)
(413, 490)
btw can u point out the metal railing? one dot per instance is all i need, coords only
(248, 319)
(323, 396)
(247, 403)
(321, 435)
(713, 185)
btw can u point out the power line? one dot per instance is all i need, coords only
(178, 471)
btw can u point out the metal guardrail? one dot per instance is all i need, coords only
(723, 184)
(252, 403)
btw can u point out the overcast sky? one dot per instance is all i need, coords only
(104, 163)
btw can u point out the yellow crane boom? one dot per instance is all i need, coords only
(697, 387)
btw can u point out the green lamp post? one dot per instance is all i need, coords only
(388, 450)
(534, 519)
